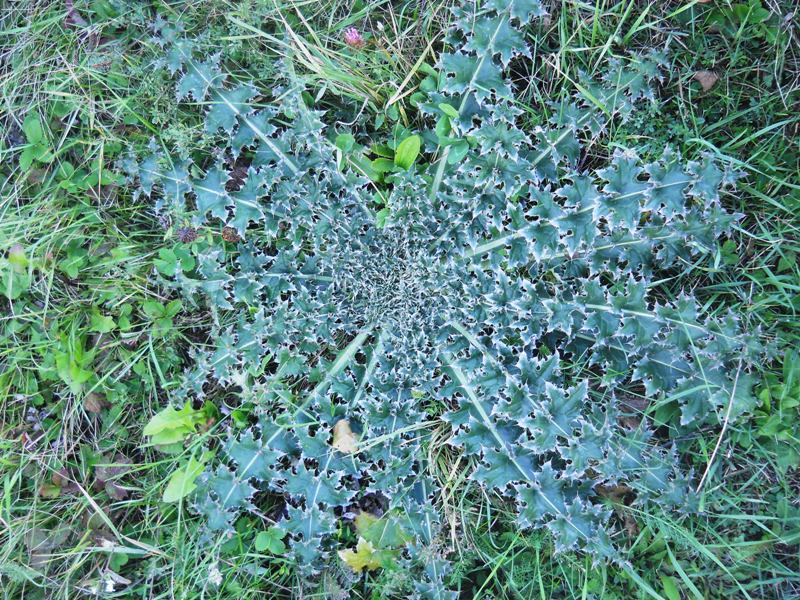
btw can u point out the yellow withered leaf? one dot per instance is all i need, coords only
(344, 440)
(365, 556)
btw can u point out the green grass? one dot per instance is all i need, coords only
(75, 395)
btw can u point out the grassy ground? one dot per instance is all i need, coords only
(86, 359)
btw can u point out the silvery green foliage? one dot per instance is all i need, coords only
(507, 285)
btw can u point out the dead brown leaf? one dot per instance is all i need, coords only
(632, 409)
(344, 440)
(65, 481)
(115, 467)
(631, 526)
(617, 494)
(706, 79)
(95, 403)
(42, 542)
(116, 492)
(229, 234)
(106, 474)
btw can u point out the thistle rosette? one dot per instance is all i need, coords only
(508, 285)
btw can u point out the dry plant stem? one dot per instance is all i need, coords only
(724, 428)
